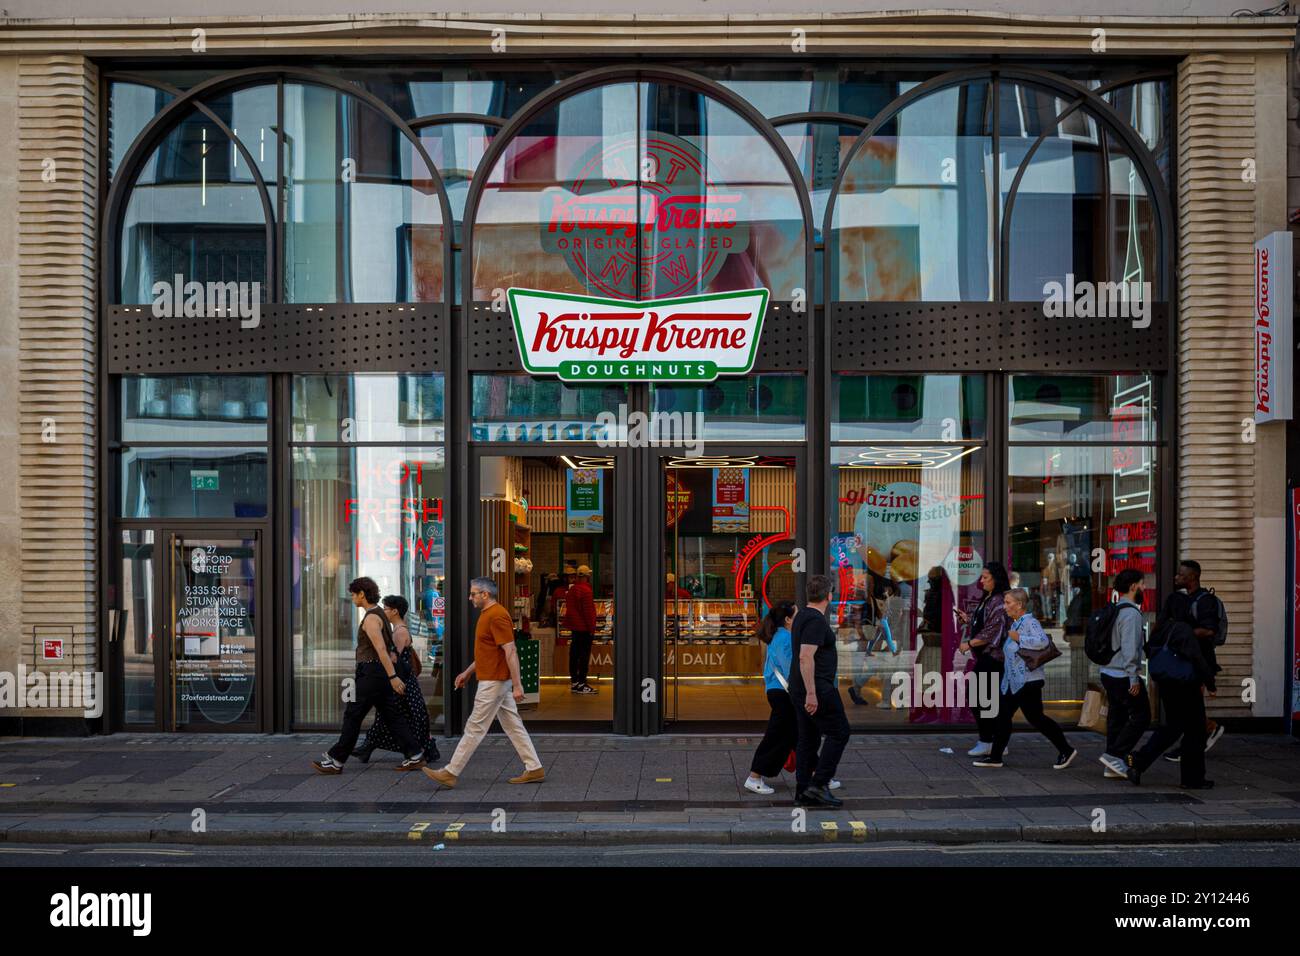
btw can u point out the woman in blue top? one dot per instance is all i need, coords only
(781, 734)
(1022, 686)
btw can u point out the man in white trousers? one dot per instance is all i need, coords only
(496, 664)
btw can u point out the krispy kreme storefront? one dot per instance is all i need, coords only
(646, 344)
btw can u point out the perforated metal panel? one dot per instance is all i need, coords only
(782, 347)
(988, 337)
(289, 338)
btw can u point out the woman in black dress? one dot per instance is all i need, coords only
(412, 702)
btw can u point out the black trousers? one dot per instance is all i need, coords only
(822, 737)
(579, 656)
(780, 737)
(1185, 717)
(374, 690)
(987, 726)
(1127, 716)
(1029, 701)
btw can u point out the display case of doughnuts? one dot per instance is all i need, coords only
(709, 620)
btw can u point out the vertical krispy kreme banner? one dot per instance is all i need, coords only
(584, 338)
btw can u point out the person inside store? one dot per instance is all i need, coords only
(1184, 674)
(580, 619)
(378, 686)
(1022, 684)
(782, 732)
(539, 602)
(823, 727)
(500, 689)
(1199, 608)
(985, 629)
(407, 664)
(559, 587)
(673, 590)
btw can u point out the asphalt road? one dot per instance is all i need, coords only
(1211, 855)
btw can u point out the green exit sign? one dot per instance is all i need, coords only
(205, 481)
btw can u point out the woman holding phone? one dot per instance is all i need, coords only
(985, 630)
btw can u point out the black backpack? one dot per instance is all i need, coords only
(1221, 618)
(1097, 639)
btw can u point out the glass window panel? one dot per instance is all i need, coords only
(374, 512)
(193, 482)
(1109, 408)
(250, 114)
(754, 408)
(907, 547)
(1148, 109)
(908, 407)
(1133, 228)
(130, 109)
(192, 212)
(718, 209)
(368, 408)
(1057, 225)
(911, 221)
(820, 149)
(363, 219)
(1067, 505)
(139, 681)
(522, 408)
(575, 163)
(456, 150)
(187, 408)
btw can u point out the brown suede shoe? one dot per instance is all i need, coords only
(530, 776)
(443, 777)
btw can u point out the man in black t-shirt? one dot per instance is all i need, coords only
(822, 725)
(1199, 609)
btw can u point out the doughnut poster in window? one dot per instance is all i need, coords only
(730, 500)
(906, 528)
(584, 501)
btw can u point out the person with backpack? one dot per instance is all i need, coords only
(376, 675)
(1201, 609)
(1183, 674)
(1118, 629)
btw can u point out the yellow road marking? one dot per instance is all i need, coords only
(453, 831)
(417, 831)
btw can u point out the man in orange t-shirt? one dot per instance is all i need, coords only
(496, 664)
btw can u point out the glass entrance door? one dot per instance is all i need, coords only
(212, 627)
(730, 523)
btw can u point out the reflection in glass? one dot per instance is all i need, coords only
(753, 408)
(195, 482)
(907, 546)
(368, 407)
(137, 631)
(130, 108)
(912, 221)
(1111, 408)
(908, 407)
(523, 408)
(375, 512)
(186, 408)
(1068, 506)
(456, 150)
(193, 211)
(363, 218)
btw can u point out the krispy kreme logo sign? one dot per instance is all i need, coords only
(640, 218)
(583, 338)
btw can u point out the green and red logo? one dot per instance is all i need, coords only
(641, 219)
(584, 338)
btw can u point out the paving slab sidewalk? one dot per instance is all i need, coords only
(603, 789)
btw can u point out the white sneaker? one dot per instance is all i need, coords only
(981, 749)
(1213, 739)
(1115, 768)
(758, 786)
(834, 785)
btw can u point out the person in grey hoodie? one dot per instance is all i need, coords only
(1129, 711)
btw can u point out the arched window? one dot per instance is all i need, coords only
(634, 190)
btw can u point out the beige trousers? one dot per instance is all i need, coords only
(494, 699)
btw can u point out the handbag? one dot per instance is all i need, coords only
(1168, 665)
(1038, 658)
